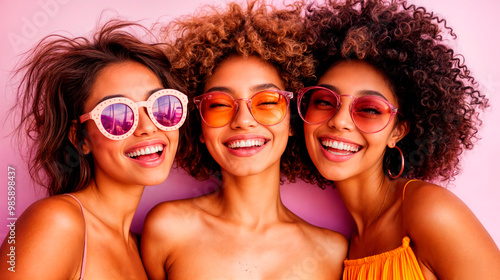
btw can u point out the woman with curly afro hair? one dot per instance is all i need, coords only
(241, 65)
(392, 110)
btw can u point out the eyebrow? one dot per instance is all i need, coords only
(362, 92)
(264, 86)
(149, 93)
(222, 89)
(255, 88)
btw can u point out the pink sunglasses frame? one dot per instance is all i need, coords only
(394, 110)
(95, 114)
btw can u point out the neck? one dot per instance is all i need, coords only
(253, 200)
(112, 203)
(366, 198)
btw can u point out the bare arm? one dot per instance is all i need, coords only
(337, 246)
(48, 244)
(447, 236)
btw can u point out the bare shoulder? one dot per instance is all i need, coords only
(50, 231)
(168, 227)
(328, 237)
(430, 210)
(172, 219)
(335, 244)
(53, 214)
(327, 248)
(446, 235)
(168, 210)
(427, 204)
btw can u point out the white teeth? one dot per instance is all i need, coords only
(334, 145)
(145, 151)
(340, 145)
(246, 144)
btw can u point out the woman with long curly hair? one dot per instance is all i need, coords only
(392, 111)
(241, 65)
(95, 149)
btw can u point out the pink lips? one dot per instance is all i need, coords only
(245, 145)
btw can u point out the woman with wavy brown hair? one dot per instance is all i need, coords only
(94, 149)
(393, 109)
(242, 66)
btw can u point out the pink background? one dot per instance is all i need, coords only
(25, 22)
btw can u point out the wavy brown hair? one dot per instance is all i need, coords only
(57, 76)
(201, 42)
(437, 96)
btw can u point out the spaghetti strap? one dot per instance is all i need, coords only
(404, 188)
(84, 259)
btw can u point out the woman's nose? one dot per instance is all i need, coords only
(145, 125)
(342, 119)
(243, 117)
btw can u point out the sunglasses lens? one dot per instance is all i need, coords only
(217, 109)
(318, 105)
(117, 119)
(167, 110)
(371, 114)
(268, 107)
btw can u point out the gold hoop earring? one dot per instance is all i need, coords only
(402, 165)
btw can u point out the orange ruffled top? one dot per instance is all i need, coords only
(399, 263)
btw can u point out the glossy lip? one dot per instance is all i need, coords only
(336, 157)
(148, 163)
(246, 152)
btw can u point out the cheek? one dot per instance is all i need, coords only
(381, 138)
(376, 144)
(207, 134)
(104, 150)
(281, 134)
(309, 134)
(210, 137)
(312, 145)
(283, 129)
(95, 139)
(173, 138)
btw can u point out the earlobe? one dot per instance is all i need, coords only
(86, 148)
(291, 131)
(202, 139)
(74, 141)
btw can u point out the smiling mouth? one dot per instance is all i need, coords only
(246, 144)
(339, 147)
(145, 151)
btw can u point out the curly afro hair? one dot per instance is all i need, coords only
(437, 96)
(201, 42)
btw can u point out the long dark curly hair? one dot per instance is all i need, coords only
(57, 77)
(201, 42)
(437, 96)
